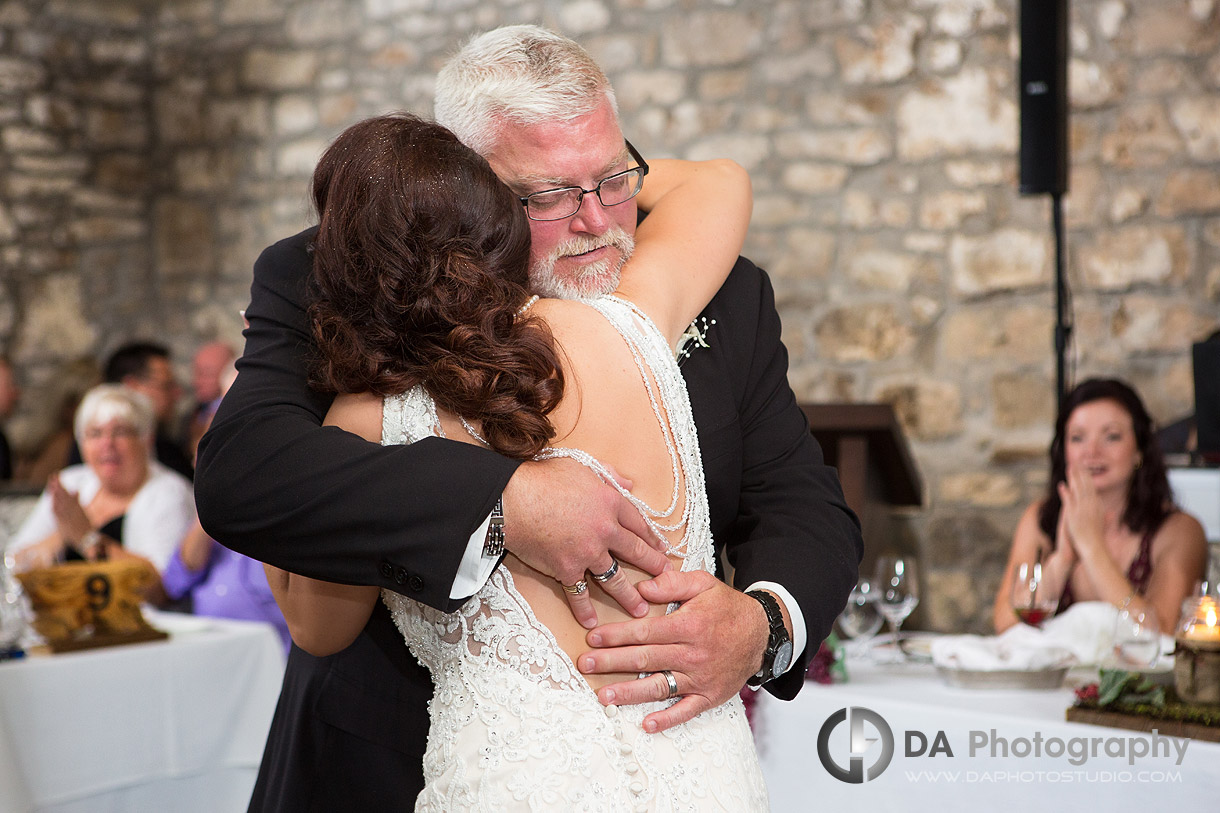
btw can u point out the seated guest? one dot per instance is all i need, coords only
(219, 582)
(55, 446)
(144, 367)
(1107, 527)
(9, 393)
(120, 504)
(209, 368)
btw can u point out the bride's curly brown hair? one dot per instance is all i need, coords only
(420, 265)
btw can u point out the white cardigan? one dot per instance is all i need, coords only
(157, 520)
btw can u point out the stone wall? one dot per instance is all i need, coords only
(151, 149)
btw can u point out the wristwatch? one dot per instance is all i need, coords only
(778, 654)
(493, 543)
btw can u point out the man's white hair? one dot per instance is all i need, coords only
(521, 74)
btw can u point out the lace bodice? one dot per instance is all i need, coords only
(514, 725)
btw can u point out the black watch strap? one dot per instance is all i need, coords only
(493, 543)
(779, 643)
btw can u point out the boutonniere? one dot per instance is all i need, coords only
(694, 337)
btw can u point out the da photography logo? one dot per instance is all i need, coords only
(860, 744)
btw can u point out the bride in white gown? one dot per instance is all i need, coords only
(514, 724)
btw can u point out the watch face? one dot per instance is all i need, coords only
(783, 657)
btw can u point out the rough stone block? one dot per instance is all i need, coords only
(1143, 137)
(54, 323)
(1004, 260)
(868, 332)
(705, 39)
(107, 127)
(984, 489)
(183, 239)
(1022, 400)
(1198, 120)
(970, 112)
(882, 270)
(20, 75)
(1119, 259)
(927, 409)
(1190, 192)
(264, 69)
(814, 179)
(947, 210)
(879, 54)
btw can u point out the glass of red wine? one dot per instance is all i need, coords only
(1034, 599)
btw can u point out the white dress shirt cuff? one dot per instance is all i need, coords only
(794, 613)
(475, 568)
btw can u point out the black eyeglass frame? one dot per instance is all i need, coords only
(597, 190)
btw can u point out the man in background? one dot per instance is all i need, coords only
(210, 366)
(144, 367)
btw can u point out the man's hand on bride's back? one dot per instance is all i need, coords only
(563, 521)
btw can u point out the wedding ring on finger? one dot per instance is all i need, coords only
(602, 578)
(671, 683)
(575, 589)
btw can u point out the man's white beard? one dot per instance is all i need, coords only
(600, 277)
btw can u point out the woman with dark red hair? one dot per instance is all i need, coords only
(1107, 529)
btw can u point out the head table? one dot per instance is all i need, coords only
(968, 749)
(175, 725)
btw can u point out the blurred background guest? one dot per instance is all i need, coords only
(120, 503)
(208, 579)
(1107, 528)
(56, 442)
(144, 367)
(9, 393)
(209, 368)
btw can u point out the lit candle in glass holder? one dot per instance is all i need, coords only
(1196, 659)
(1203, 623)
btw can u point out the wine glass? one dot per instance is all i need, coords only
(1033, 598)
(897, 594)
(1137, 638)
(860, 619)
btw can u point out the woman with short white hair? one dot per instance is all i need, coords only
(120, 503)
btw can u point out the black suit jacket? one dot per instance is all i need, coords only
(351, 728)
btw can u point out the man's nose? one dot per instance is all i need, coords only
(592, 216)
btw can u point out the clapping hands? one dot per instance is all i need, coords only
(1083, 520)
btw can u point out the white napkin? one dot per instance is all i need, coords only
(1083, 634)
(990, 653)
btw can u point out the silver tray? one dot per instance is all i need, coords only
(1003, 678)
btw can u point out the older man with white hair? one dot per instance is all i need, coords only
(429, 520)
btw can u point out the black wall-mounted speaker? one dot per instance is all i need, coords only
(1044, 97)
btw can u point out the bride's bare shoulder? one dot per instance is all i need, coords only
(571, 320)
(358, 413)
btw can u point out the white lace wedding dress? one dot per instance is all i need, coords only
(514, 725)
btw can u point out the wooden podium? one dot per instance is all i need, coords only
(864, 441)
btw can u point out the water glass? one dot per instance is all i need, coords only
(860, 619)
(897, 594)
(1137, 638)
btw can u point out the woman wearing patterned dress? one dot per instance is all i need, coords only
(423, 318)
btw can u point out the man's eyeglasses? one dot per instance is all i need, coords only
(556, 204)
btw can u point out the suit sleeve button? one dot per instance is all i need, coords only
(387, 570)
(416, 584)
(401, 575)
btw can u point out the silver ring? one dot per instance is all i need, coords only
(575, 589)
(609, 574)
(671, 682)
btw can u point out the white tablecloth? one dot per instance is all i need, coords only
(175, 725)
(913, 698)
